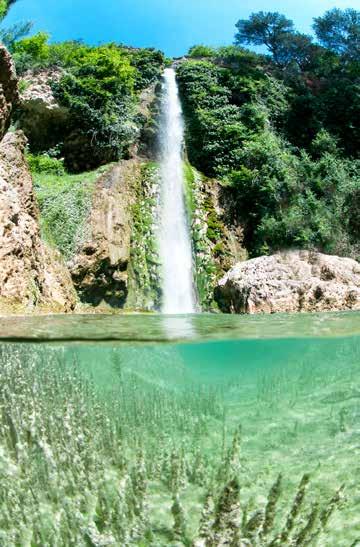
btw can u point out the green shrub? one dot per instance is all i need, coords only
(31, 52)
(289, 201)
(45, 164)
(201, 51)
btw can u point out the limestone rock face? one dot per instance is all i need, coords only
(293, 281)
(100, 268)
(32, 277)
(8, 89)
(40, 116)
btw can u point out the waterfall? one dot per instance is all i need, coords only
(174, 237)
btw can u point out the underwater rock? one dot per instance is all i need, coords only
(8, 89)
(32, 277)
(99, 270)
(291, 281)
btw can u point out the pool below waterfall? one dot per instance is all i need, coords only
(180, 430)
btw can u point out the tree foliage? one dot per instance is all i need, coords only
(5, 6)
(98, 91)
(264, 28)
(217, 126)
(100, 87)
(9, 35)
(199, 51)
(339, 31)
(283, 141)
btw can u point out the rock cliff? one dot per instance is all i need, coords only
(8, 89)
(44, 121)
(31, 275)
(100, 269)
(291, 282)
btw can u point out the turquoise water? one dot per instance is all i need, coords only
(150, 430)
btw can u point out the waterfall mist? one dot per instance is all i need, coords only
(174, 237)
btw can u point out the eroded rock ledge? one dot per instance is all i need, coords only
(32, 276)
(294, 281)
(100, 269)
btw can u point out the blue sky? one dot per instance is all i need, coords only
(170, 25)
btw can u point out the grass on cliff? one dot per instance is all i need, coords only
(64, 201)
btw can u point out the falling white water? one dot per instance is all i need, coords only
(174, 238)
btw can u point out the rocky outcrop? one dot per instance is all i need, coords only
(48, 124)
(147, 117)
(291, 282)
(100, 269)
(44, 121)
(217, 242)
(8, 89)
(32, 277)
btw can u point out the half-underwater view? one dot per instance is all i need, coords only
(179, 273)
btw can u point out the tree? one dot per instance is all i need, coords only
(339, 31)
(296, 48)
(8, 36)
(264, 28)
(5, 6)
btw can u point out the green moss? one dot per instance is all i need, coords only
(189, 178)
(144, 263)
(207, 232)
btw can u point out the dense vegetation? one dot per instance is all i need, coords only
(281, 131)
(100, 88)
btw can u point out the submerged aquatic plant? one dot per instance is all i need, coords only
(132, 466)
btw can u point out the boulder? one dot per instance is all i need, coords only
(32, 276)
(44, 121)
(293, 281)
(100, 269)
(48, 124)
(8, 89)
